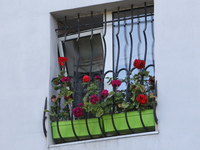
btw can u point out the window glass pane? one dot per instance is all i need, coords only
(85, 54)
(71, 49)
(138, 38)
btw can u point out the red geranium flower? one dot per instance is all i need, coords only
(81, 104)
(78, 112)
(94, 99)
(69, 97)
(116, 83)
(86, 78)
(142, 99)
(152, 80)
(97, 77)
(65, 79)
(104, 94)
(139, 64)
(61, 60)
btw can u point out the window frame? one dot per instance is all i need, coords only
(109, 31)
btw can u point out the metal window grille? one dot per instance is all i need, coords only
(133, 37)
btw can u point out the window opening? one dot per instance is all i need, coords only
(131, 31)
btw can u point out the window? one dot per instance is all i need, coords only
(98, 45)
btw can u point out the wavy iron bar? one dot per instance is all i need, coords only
(145, 56)
(90, 74)
(104, 61)
(128, 73)
(76, 74)
(116, 70)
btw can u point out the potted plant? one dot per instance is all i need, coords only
(86, 121)
(139, 97)
(61, 116)
(90, 109)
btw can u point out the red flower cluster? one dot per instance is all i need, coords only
(97, 77)
(78, 112)
(139, 64)
(81, 104)
(142, 99)
(86, 78)
(104, 94)
(152, 80)
(116, 83)
(69, 97)
(61, 60)
(94, 99)
(65, 79)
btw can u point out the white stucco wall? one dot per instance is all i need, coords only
(27, 57)
(177, 62)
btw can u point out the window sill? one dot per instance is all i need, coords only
(104, 139)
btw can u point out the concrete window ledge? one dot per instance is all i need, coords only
(104, 139)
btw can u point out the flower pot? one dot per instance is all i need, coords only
(67, 133)
(133, 119)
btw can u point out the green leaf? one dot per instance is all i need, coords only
(54, 115)
(90, 108)
(146, 73)
(46, 111)
(62, 72)
(131, 107)
(69, 93)
(84, 83)
(152, 95)
(84, 99)
(141, 88)
(109, 80)
(86, 105)
(107, 110)
(111, 93)
(59, 95)
(133, 97)
(56, 81)
(68, 101)
(60, 76)
(96, 92)
(125, 105)
(99, 112)
(57, 88)
(137, 105)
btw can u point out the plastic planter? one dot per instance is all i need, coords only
(134, 122)
(67, 133)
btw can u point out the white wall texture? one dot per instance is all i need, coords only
(27, 58)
